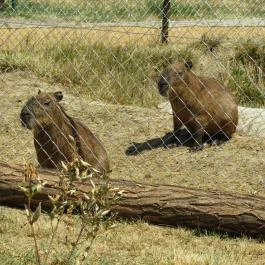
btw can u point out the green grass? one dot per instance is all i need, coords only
(113, 74)
(247, 90)
(128, 75)
(114, 11)
(25, 259)
(246, 73)
(178, 9)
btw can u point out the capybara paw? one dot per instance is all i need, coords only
(132, 150)
(196, 148)
(171, 145)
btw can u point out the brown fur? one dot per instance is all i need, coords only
(58, 137)
(202, 104)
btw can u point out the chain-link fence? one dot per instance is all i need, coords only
(114, 60)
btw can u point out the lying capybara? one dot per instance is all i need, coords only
(57, 136)
(203, 105)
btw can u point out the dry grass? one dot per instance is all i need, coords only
(40, 38)
(118, 126)
(119, 66)
(134, 243)
(219, 168)
(138, 243)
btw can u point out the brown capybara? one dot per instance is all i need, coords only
(58, 137)
(203, 105)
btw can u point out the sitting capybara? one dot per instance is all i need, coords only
(58, 137)
(203, 105)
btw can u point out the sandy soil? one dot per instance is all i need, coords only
(236, 166)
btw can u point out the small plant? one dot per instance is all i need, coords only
(32, 184)
(93, 208)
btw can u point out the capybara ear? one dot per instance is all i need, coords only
(39, 91)
(58, 95)
(188, 65)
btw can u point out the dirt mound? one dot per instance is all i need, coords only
(236, 166)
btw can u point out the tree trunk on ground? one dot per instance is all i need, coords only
(156, 204)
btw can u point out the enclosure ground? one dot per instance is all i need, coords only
(236, 166)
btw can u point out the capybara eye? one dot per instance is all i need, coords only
(47, 103)
(179, 72)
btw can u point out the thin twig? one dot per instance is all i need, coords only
(76, 242)
(36, 245)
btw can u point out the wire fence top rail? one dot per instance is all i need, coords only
(247, 22)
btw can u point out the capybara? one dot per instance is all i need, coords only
(203, 105)
(58, 137)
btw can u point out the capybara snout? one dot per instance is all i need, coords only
(25, 117)
(163, 85)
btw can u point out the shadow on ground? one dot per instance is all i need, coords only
(181, 137)
(169, 140)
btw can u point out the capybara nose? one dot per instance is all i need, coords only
(25, 117)
(162, 85)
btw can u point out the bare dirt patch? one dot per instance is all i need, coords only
(236, 166)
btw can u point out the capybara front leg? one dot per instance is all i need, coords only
(198, 138)
(177, 123)
(171, 139)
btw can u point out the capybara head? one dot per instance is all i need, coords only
(172, 75)
(40, 110)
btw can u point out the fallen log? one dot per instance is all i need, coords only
(156, 204)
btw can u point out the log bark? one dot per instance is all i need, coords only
(156, 204)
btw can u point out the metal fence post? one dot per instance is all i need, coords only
(165, 21)
(2, 2)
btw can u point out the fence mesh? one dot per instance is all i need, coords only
(106, 57)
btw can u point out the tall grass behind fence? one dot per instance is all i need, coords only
(129, 10)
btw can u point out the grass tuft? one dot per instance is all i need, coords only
(113, 74)
(127, 74)
(247, 68)
(208, 43)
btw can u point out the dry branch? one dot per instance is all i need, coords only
(156, 204)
